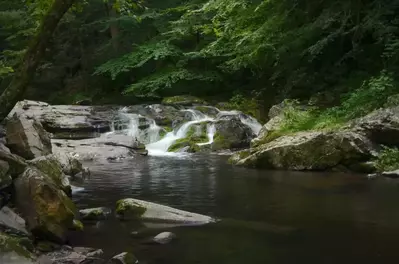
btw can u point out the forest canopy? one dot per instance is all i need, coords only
(122, 51)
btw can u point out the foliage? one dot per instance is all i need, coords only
(388, 159)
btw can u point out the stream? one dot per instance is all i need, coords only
(266, 216)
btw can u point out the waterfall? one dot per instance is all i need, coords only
(148, 132)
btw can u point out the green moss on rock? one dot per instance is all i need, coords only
(183, 100)
(128, 209)
(182, 143)
(77, 225)
(10, 243)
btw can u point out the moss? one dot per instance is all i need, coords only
(10, 243)
(127, 209)
(77, 225)
(165, 130)
(220, 142)
(239, 156)
(184, 142)
(183, 99)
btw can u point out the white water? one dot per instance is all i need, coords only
(159, 147)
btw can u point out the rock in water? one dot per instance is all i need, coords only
(271, 126)
(27, 138)
(51, 167)
(14, 250)
(48, 211)
(311, 151)
(164, 238)
(231, 133)
(70, 165)
(124, 258)
(12, 223)
(138, 209)
(391, 174)
(68, 255)
(99, 213)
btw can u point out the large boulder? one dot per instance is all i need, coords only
(380, 126)
(27, 138)
(15, 250)
(69, 164)
(52, 168)
(141, 210)
(47, 210)
(231, 133)
(16, 164)
(311, 151)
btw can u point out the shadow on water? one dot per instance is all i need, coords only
(267, 217)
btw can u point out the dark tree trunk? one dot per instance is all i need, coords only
(33, 56)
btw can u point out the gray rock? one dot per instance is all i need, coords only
(99, 213)
(16, 164)
(231, 133)
(70, 165)
(51, 167)
(15, 250)
(391, 174)
(12, 223)
(48, 211)
(138, 209)
(273, 125)
(124, 258)
(5, 178)
(76, 255)
(381, 126)
(164, 238)
(27, 138)
(311, 151)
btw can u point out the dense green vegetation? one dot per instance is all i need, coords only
(330, 54)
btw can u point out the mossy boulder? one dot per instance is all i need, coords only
(207, 110)
(184, 100)
(90, 214)
(267, 130)
(231, 133)
(27, 138)
(70, 165)
(15, 247)
(311, 151)
(129, 209)
(52, 168)
(184, 145)
(48, 211)
(16, 164)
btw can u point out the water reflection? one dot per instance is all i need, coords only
(268, 217)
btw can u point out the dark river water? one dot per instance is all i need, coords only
(267, 217)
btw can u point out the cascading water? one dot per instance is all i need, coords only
(147, 131)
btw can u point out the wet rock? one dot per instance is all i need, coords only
(124, 258)
(231, 133)
(11, 223)
(363, 167)
(381, 126)
(27, 138)
(207, 110)
(47, 246)
(164, 238)
(391, 174)
(5, 178)
(137, 209)
(236, 157)
(48, 212)
(311, 151)
(51, 167)
(99, 213)
(68, 255)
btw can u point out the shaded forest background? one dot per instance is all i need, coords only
(338, 57)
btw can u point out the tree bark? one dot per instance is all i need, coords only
(113, 28)
(32, 57)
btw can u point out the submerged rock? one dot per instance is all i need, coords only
(141, 210)
(48, 211)
(164, 238)
(124, 258)
(99, 213)
(391, 174)
(311, 151)
(76, 255)
(27, 138)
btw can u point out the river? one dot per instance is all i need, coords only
(266, 217)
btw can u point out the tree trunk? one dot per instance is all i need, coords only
(32, 57)
(113, 28)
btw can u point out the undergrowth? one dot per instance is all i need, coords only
(388, 159)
